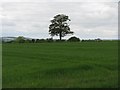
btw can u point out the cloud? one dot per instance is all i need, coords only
(59, 0)
(95, 32)
(88, 20)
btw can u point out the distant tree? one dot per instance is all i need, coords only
(33, 40)
(37, 40)
(40, 40)
(98, 40)
(59, 26)
(20, 39)
(74, 39)
(28, 41)
(49, 39)
(83, 40)
(63, 40)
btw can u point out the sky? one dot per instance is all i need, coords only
(90, 19)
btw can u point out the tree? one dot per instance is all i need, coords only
(20, 39)
(59, 26)
(33, 40)
(28, 41)
(49, 40)
(74, 39)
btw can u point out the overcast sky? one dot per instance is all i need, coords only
(31, 18)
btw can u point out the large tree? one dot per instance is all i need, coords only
(59, 26)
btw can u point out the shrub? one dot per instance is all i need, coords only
(60, 40)
(33, 40)
(49, 40)
(28, 41)
(40, 40)
(73, 39)
(92, 40)
(37, 40)
(20, 39)
(89, 40)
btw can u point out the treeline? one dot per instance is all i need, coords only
(21, 39)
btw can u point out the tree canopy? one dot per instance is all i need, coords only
(59, 26)
(20, 39)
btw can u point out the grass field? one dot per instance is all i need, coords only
(68, 65)
(0, 66)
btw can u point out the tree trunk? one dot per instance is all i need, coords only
(60, 36)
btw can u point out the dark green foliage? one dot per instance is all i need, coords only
(92, 40)
(56, 65)
(9, 42)
(73, 39)
(37, 41)
(33, 41)
(88, 40)
(63, 40)
(20, 39)
(40, 40)
(98, 40)
(59, 26)
(28, 41)
(49, 40)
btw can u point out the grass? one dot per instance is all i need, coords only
(0, 66)
(57, 65)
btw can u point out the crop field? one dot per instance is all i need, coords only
(60, 65)
(0, 66)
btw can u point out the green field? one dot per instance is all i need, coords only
(68, 65)
(0, 66)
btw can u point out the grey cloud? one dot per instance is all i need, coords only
(59, 0)
(33, 19)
